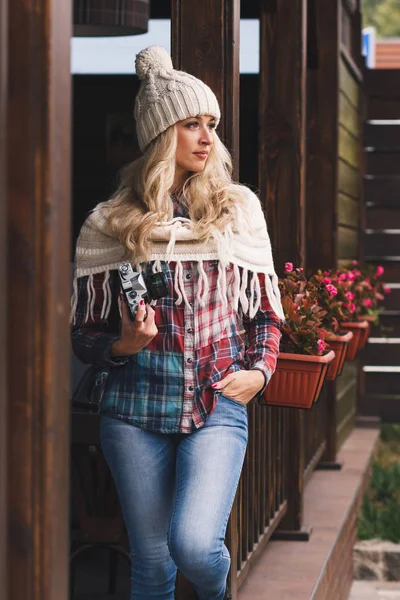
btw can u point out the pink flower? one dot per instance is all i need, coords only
(355, 262)
(379, 271)
(326, 280)
(387, 290)
(343, 277)
(332, 291)
(350, 296)
(288, 267)
(367, 302)
(300, 270)
(321, 346)
(326, 272)
(351, 276)
(356, 272)
(352, 308)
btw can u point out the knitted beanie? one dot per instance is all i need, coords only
(167, 96)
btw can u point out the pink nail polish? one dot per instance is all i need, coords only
(214, 385)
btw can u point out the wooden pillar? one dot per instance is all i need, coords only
(322, 130)
(322, 163)
(283, 39)
(3, 341)
(282, 104)
(205, 43)
(38, 287)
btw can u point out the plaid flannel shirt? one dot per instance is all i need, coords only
(166, 387)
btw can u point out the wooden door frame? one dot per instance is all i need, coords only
(3, 344)
(38, 288)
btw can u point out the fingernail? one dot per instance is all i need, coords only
(214, 385)
(141, 302)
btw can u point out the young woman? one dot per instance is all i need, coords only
(173, 384)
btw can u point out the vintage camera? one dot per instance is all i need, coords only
(135, 288)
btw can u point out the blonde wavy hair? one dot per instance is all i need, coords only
(211, 196)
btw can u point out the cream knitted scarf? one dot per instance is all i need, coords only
(245, 245)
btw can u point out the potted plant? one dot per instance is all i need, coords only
(332, 305)
(304, 358)
(369, 291)
(343, 280)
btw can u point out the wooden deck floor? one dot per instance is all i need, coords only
(320, 569)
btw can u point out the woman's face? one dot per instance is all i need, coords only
(195, 138)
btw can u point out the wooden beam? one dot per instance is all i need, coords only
(205, 43)
(38, 289)
(322, 131)
(283, 39)
(3, 308)
(282, 105)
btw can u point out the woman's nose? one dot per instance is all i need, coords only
(206, 137)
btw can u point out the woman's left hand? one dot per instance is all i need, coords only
(241, 386)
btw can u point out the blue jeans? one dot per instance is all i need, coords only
(176, 492)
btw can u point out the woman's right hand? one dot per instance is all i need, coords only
(135, 335)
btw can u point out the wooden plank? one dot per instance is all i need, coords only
(392, 300)
(384, 83)
(382, 136)
(210, 51)
(322, 134)
(282, 108)
(383, 191)
(386, 407)
(389, 325)
(382, 383)
(39, 127)
(382, 218)
(382, 244)
(381, 354)
(347, 242)
(348, 211)
(349, 115)
(348, 85)
(383, 163)
(3, 296)
(383, 108)
(349, 148)
(348, 179)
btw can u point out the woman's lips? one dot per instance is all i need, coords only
(202, 155)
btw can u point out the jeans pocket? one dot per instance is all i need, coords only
(232, 400)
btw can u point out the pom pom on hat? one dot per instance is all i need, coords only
(153, 59)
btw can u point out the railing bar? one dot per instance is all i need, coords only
(263, 467)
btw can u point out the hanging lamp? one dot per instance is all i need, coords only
(111, 17)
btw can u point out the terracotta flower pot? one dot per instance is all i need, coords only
(339, 344)
(360, 331)
(298, 380)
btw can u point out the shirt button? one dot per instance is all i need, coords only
(190, 330)
(188, 276)
(190, 388)
(189, 360)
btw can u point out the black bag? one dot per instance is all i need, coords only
(90, 389)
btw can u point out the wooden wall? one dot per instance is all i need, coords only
(349, 160)
(380, 377)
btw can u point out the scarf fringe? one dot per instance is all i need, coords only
(239, 293)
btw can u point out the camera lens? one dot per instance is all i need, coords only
(132, 294)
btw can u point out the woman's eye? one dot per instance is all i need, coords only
(212, 125)
(192, 125)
